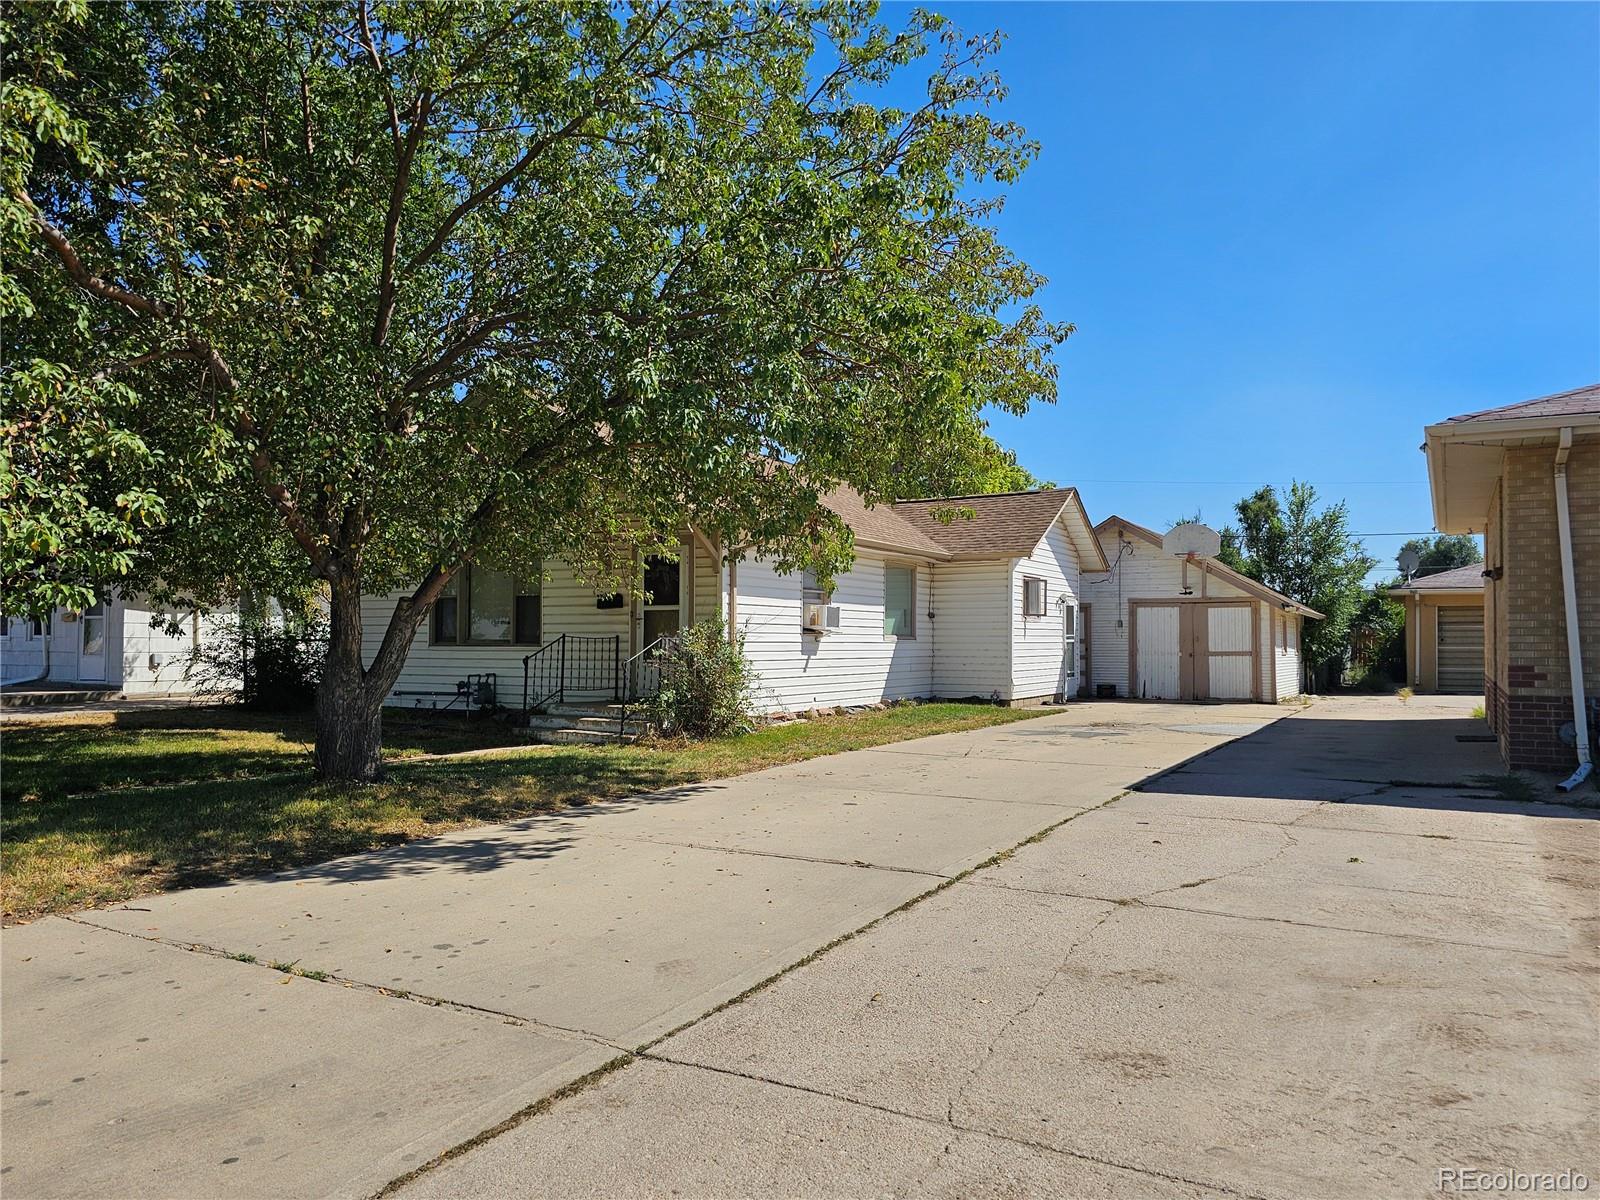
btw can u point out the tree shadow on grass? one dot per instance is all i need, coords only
(85, 849)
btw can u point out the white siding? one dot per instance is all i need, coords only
(1285, 662)
(431, 672)
(21, 653)
(1038, 663)
(855, 664)
(972, 654)
(152, 660)
(140, 658)
(1144, 572)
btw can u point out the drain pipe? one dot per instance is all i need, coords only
(1569, 592)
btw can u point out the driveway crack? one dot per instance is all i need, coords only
(999, 1036)
(977, 1131)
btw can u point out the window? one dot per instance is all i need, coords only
(811, 590)
(5, 625)
(1034, 592)
(899, 601)
(1291, 636)
(498, 610)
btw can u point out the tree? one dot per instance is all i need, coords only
(73, 495)
(1442, 552)
(404, 287)
(1286, 542)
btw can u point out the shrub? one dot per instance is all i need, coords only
(705, 684)
(270, 666)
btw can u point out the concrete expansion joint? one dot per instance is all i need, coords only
(950, 1123)
(858, 863)
(328, 978)
(1136, 902)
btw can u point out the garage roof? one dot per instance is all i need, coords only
(1459, 579)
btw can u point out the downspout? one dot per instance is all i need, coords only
(1569, 591)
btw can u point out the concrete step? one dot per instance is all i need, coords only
(557, 721)
(30, 696)
(582, 737)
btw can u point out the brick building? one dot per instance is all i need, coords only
(1498, 473)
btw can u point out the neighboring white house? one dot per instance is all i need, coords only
(1165, 627)
(955, 597)
(112, 645)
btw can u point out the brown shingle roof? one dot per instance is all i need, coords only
(1470, 576)
(881, 525)
(1010, 523)
(1577, 402)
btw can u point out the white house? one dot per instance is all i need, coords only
(955, 597)
(112, 645)
(1168, 627)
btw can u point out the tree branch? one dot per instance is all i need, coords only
(83, 277)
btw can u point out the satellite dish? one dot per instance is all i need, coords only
(1192, 539)
(1409, 561)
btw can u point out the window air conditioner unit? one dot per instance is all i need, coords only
(820, 618)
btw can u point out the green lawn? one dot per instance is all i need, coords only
(100, 809)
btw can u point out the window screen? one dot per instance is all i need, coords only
(491, 598)
(899, 601)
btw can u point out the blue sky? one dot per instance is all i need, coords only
(1292, 235)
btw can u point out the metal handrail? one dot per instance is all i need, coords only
(559, 647)
(585, 662)
(636, 670)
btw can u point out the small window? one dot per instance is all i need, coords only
(899, 602)
(529, 624)
(1291, 635)
(5, 625)
(446, 611)
(1034, 593)
(811, 590)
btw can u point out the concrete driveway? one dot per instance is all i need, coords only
(152, 1049)
(1323, 960)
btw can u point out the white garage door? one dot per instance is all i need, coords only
(1461, 650)
(1158, 659)
(1230, 659)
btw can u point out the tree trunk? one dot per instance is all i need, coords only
(349, 743)
(349, 726)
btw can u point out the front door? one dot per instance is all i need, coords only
(92, 649)
(662, 608)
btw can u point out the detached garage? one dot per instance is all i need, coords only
(1444, 631)
(1165, 626)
